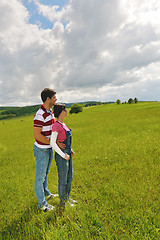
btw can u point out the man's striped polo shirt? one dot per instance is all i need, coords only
(44, 119)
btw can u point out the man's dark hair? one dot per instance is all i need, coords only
(47, 92)
(58, 108)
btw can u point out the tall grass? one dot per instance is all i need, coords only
(116, 177)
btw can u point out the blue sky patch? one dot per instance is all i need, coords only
(60, 3)
(39, 19)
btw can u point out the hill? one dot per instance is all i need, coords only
(10, 112)
(115, 180)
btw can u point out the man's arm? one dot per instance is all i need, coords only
(60, 144)
(38, 135)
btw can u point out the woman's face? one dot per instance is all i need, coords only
(64, 112)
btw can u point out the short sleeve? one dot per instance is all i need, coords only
(38, 120)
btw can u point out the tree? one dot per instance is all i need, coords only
(99, 103)
(76, 108)
(130, 101)
(118, 101)
(135, 100)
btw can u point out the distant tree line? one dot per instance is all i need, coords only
(92, 103)
(10, 112)
(130, 101)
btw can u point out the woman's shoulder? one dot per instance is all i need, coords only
(56, 123)
(65, 127)
(56, 127)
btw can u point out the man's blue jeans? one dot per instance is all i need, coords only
(43, 162)
(65, 176)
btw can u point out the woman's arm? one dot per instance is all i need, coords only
(55, 146)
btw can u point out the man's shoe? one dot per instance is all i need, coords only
(47, 207)
(52, 196)
(71, 202)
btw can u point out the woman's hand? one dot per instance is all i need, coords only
(72, 154)
(67, 157)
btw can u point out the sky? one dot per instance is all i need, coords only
(85, 50)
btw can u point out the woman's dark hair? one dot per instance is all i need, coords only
(47, 92)
(58, 108)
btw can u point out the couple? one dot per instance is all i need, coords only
(50, 135)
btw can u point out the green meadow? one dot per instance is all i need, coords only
(116, 177)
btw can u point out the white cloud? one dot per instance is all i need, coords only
(142, 12)
(53, 13)
(95, 51)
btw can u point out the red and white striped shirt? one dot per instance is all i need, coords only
(44, 119)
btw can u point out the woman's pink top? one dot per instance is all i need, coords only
(57, 127)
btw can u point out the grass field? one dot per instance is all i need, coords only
(116, 177)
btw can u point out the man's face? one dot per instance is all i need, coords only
(53, 100)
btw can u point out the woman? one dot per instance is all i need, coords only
(63, 157)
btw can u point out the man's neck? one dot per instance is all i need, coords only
(46, 106)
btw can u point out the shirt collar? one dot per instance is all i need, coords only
(44, 109)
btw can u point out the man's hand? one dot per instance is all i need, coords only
(72, 154)
(61, 145)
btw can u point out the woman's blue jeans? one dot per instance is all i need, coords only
(65, 176)
(43, 162)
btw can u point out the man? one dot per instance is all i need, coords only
(43, 152)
